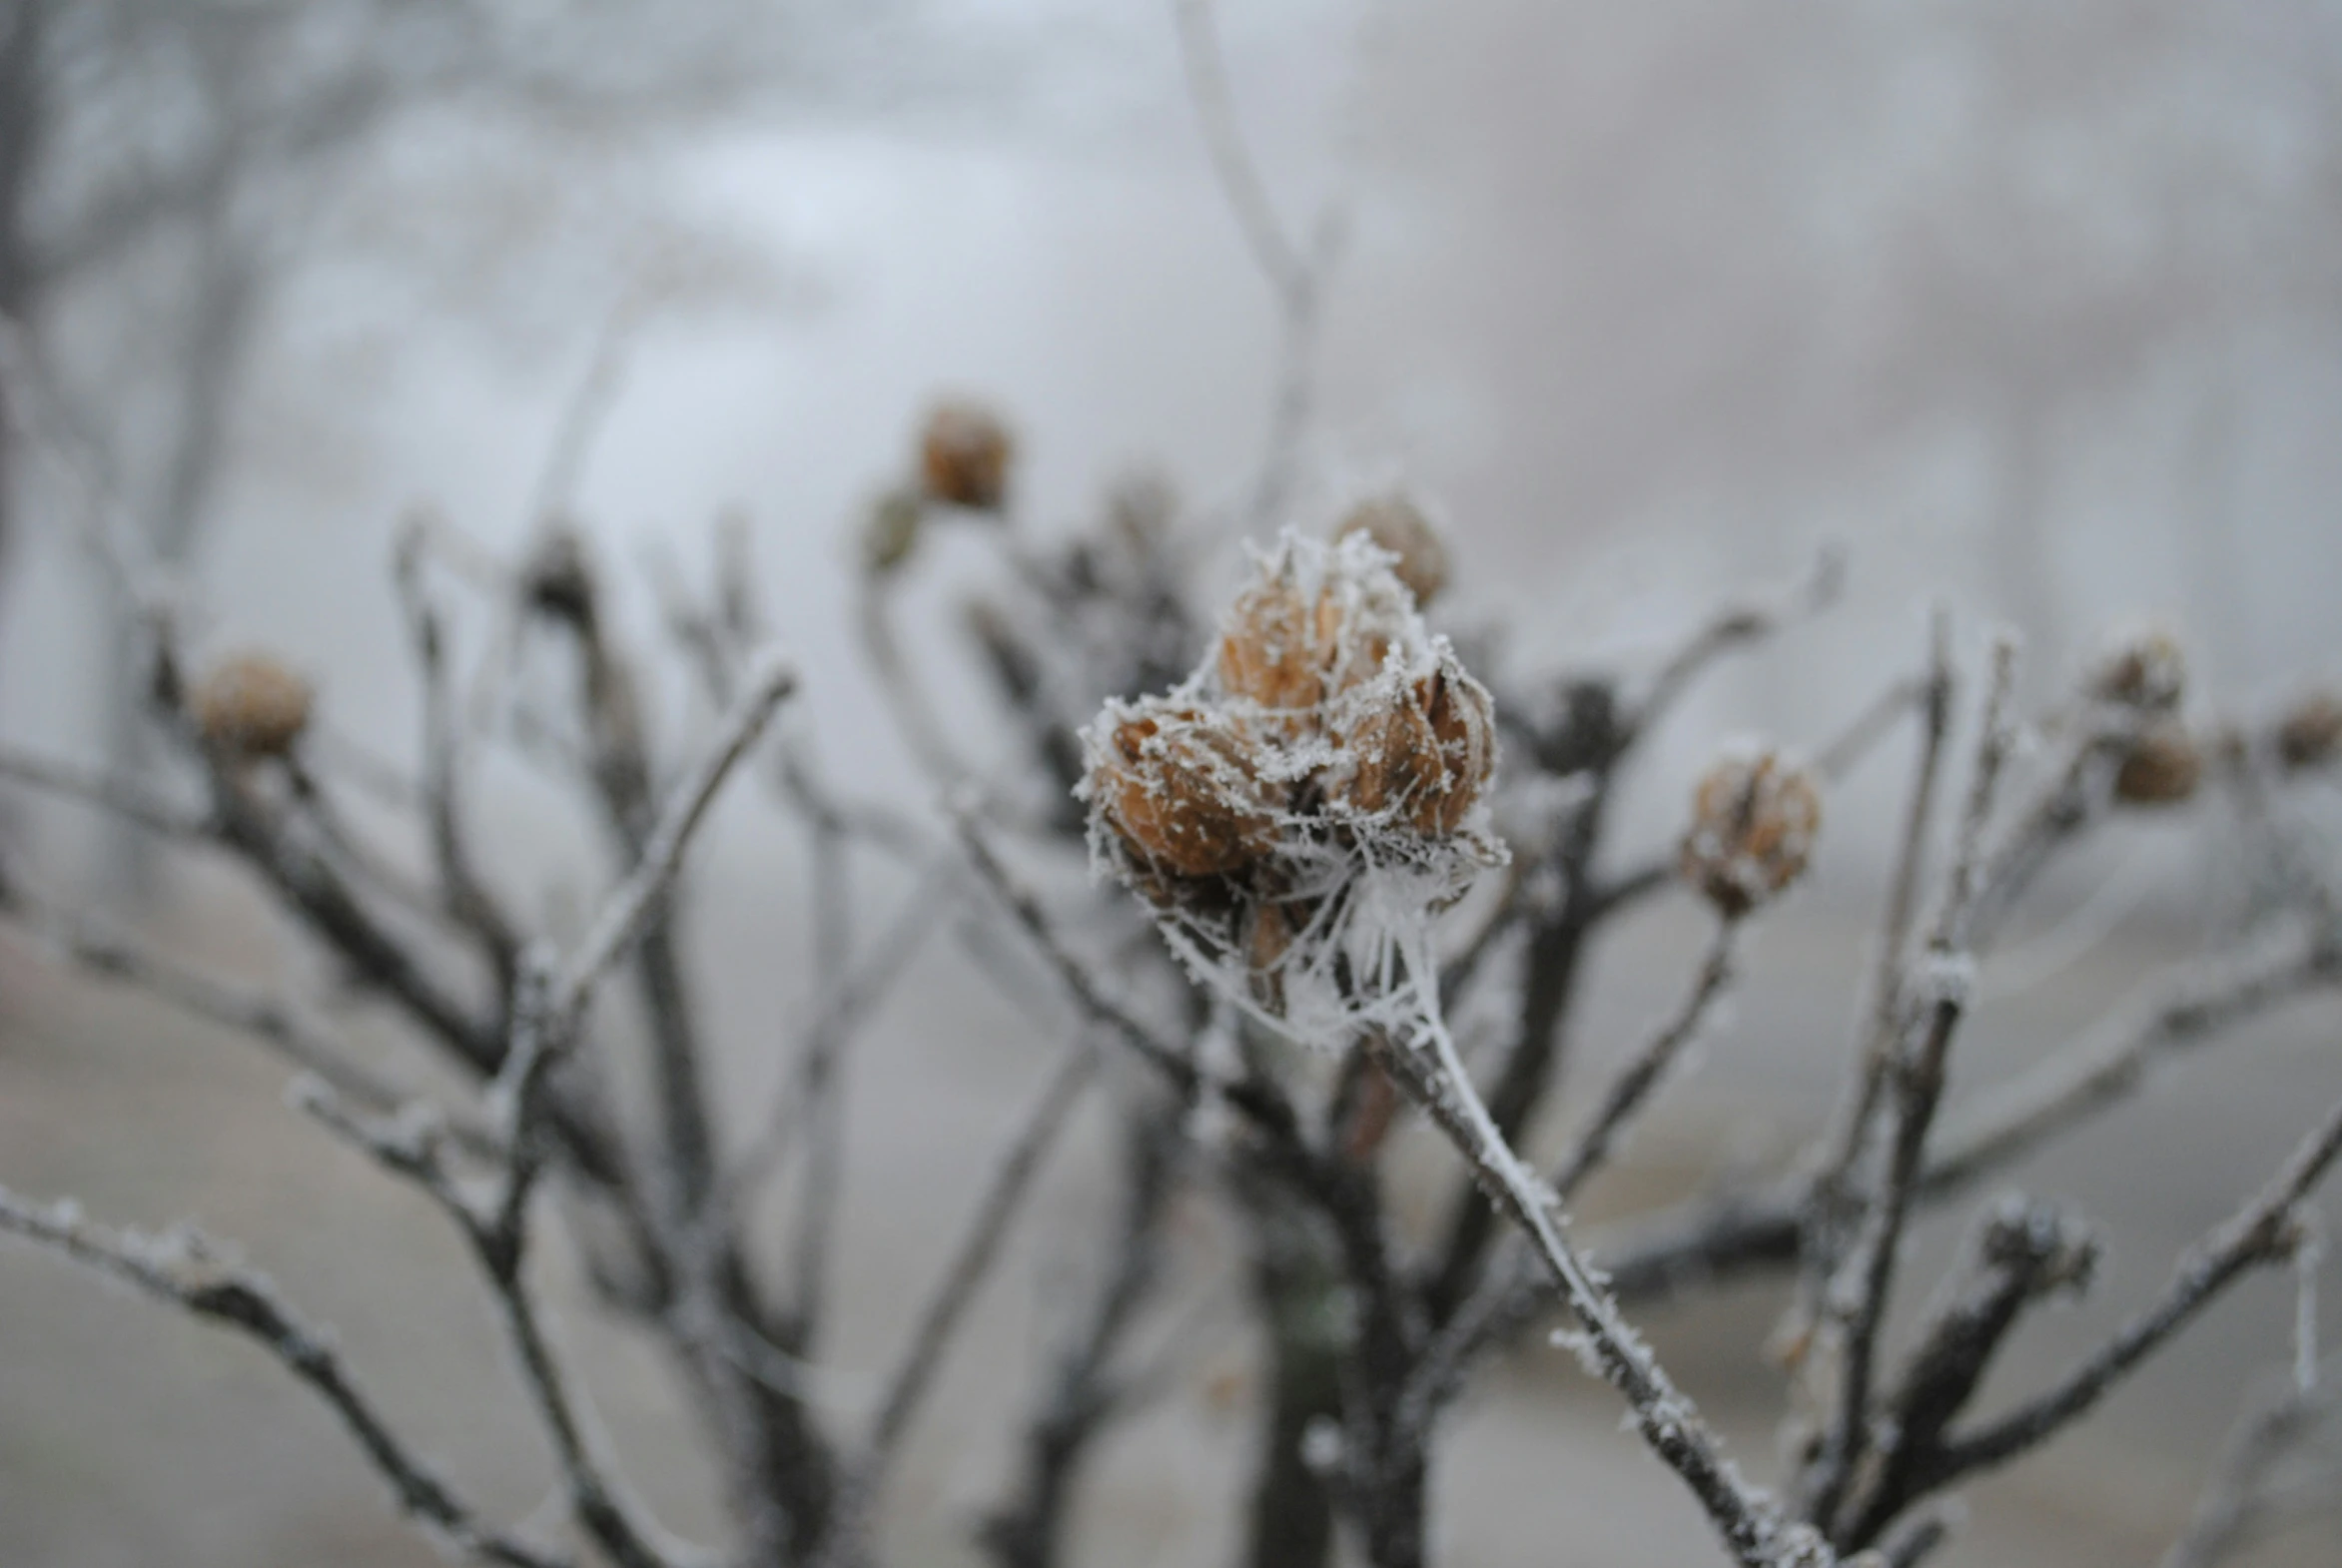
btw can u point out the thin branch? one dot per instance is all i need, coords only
(1851, 746)
(1668, 1421)
(1439, 1376)
(1934, 1002)
(2238, 1501)
(184, 1267)
(956, 1287)
(125, 798)
(2107, 1063)
(1830, 1217)
(1738, 627)
(462, 891)
(631, 907)
(1296, 274)
(1590, 1150)
(2265, 1230)
(110, 955)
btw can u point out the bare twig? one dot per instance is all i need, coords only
(1590, 1150)
(2265, 1230)
(110, 955)
(631, 906)
(1930, 1003)
(462, 891)
(1669, 1421)
(125, 798)
(1738, 627)
(2107, 1063)
(1440, 1374)
(1297, 275)
(955, 1291)
(184, 1267)
(1830, 1217)
(2240, 1499)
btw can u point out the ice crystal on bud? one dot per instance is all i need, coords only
(1296, 809)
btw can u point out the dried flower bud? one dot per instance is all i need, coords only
(558, 579)
(1278, 642)
(2149, 673)
(891, 532)
(1753, 826)
(1396, 523)
(1178, 787)
(2162, 768)
(2310, 733)
(1426, 754)
(963, 454)
(251, 706)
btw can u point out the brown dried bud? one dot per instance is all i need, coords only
(558, 579)
(1752, 833)
(2310, 733)
(250, 706)
(1396, 523)
(2162, 768)
(1278, 642)
(1178, 787)
(891, 532)
(963, 454)
(2149, 674)
(1427, 754)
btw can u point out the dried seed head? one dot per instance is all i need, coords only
(251, 706)
(891, 532)
(1179, 787)
(1753, 826)
(2162, 768)
(2310, 733)
(1277, 643)
(2149, 673)
(1397, 524)
(963, 456)
(1425, 752)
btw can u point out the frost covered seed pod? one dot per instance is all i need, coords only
(1276, 643)
(1393, 758)
(1178, 787)
(963, 456)
(2310, 733)
(1463, 723)
(1425, 754)
(1396, 523)
(251, 706)
(2162, 768)
(1753, 826)
(2149, 673)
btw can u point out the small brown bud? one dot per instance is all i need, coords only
(2149, 673)
(558, 579)
(891, 532)
(1396, 523)
(963, 456)
(1427, 754)
(251, 706)
(1277, 644)
(1178, 787)
(2162, 768)
(2310, 733)
(1752, 833)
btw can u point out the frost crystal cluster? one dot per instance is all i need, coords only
(1298, 807)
